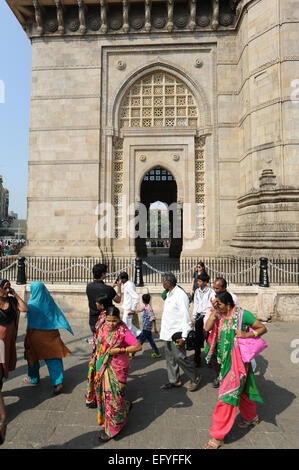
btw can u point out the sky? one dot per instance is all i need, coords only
(15, 89)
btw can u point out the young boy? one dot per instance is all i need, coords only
(149, 320)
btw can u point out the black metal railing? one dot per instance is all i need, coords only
(246, 271)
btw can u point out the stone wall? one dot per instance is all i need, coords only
(274, 303)
(241, 80)
(267, 67)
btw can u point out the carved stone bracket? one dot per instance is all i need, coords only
(104, 26)
(82, 18)
(215, 15)
(169, 25)
(126, 26)
(192, 22)
(189, 15)
(60, 19)
(38, 17)
(147, 15)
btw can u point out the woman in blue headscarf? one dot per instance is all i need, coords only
(42, 341)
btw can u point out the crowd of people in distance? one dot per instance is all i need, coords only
(11, 247)
(215, 322)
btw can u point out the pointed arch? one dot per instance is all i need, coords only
(192, 88)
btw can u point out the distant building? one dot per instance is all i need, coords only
(14, 215)
(4, 200)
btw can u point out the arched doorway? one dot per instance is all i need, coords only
(158, 124)
(158, 193)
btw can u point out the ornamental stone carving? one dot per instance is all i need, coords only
(158, 100)
(203, 21)
(159, 22)
(94, 16)
(73, 24)
(198, 63)
(115, 23)
(93, 22)
(121, 65)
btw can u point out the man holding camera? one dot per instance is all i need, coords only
(98, 288)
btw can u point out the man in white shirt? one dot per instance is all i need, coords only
(201, 307)
(176, 319)
(130, 303)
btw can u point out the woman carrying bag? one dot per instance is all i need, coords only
(237, 382)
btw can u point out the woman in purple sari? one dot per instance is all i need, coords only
(112, 363)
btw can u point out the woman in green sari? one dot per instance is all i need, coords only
(237, 382)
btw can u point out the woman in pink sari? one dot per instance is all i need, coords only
(237, 383)
(112, 363)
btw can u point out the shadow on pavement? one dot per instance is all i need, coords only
(276, 400)
(31, 396)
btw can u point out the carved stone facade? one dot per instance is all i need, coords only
(205, 89)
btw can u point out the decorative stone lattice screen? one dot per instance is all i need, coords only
(200, 186)
(158, 100)
(117, 182)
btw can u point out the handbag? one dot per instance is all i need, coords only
(190, 341)
(250, 347)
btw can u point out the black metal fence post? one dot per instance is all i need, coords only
(21, 274)
(264, 277)
(138, 273)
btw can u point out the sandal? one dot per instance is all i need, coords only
(104, 437)
(213, 444)
(91, 404)
(58, 389)
(245, 424)
(169, 385)
(28, 381)
(193, 387)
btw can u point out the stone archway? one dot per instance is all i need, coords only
(158, 123)
(164, 227)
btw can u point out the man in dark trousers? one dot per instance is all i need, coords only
(202, 306)
(98, 288)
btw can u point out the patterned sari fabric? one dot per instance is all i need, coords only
(234, 374)
(111, 377)
(91, 387)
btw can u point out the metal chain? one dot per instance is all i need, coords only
(152, 268)
(57, 271)
(281, 269)
(122, 269)
(71, 267)
(234, 274)
(208, 268)
(8, 267)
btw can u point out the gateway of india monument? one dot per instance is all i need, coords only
(190, 102)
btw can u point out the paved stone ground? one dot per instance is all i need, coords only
(175, 419)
